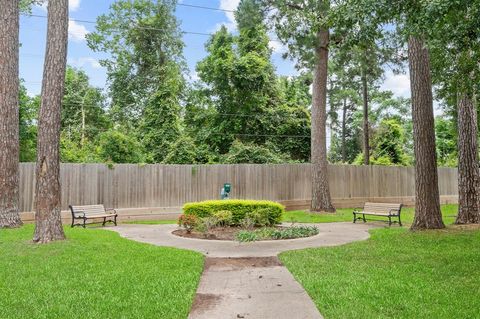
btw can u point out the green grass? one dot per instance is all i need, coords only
(394, 274)
(345, 215)
(94, 274)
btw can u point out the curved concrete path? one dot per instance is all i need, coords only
(246, 280)
(331, 234)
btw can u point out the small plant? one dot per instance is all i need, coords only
(247, 223)
(224, 217)
(188, 222)
(246, 236)
(205, 224)
(260, 217)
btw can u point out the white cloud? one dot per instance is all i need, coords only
(73, 5)
(399, 84)
(230, 24)
(76, 31)
(277, 46)
(82, 61)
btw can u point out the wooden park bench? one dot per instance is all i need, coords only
(379, 209)
(87, 212)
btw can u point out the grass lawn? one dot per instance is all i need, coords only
(394, 274)
(94, 274)
(345, 214)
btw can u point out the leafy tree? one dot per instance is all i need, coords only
(28, 110)
(117, 147)
(83, 108)
(145, 70)
(249, 153)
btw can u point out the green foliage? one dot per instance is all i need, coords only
(145, 69)
(267, 233)
(264, 216)
(205, 224)
(117, 147)
(184, 151)
(224, 217)
(239, 209)
(251, 154)
(28, 109)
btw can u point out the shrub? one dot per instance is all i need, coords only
(205, 224)
(224, 217)
(239, 209)
(188, 222)
(263, 217)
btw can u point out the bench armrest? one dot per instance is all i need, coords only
(111, 210)
(397, 212)
(80, 213)
(358, 209)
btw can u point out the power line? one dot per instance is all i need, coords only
(139, 27)
(203, 7)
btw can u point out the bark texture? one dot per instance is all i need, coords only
(321, 200)
(48, 224)
(427, 198)
(366, 144)
(344, 131)
(468, 170)
(9, 143)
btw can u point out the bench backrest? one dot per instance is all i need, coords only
(88, 209)
(381, 208)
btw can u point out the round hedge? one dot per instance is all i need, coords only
(239, 208)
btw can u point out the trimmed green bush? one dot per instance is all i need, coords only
(239, 208)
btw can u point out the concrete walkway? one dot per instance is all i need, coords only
(246, 280)
(331, 234)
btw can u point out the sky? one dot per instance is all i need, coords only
(33, 37)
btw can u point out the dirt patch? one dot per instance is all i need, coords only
(240, 263)
(218, 233)
(204, 302)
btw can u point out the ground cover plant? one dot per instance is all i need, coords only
(395, 274)
(270, 233)
(94, 274)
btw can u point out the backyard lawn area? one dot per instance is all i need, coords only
(394, 274)
(94, 274)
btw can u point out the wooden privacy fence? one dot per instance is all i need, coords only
(151, 190)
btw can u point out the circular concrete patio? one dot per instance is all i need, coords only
(331, 234)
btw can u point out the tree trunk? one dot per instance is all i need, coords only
(366, 144)
(9, 140)
(321, 200)
(344, 131)
(427, 198)
(48, 223)
(468, 170)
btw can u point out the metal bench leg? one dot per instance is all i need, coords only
(364, 220)
(399, 221)
(84, 222)
(104, 221)
(389, 221)
(73, 222)
(115, 220)
(354, 218)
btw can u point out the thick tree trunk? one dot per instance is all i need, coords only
(321, 201)
(48, 223)
(9, 143)
(468, 170)
(427, 198)
(366, 144)
(344, 131)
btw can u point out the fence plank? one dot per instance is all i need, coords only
(157, 185)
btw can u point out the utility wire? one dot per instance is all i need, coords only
(203, 7)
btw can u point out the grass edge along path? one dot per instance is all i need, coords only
(394, 274)
(94, 274)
